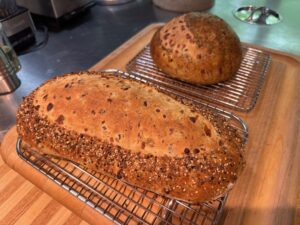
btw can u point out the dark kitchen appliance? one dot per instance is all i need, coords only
(17, 24)
(55, 12)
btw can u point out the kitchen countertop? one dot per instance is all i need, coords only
(266, 193)
(82, 44)
(95, 34)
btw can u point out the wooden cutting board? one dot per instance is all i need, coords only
(267, 192)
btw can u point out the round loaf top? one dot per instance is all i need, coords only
(199, 48)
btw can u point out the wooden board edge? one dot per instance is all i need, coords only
(145, 30)
(124, 46)
(12, 160)
(274, 51)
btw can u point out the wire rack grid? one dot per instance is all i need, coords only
(118, 201)
(121, 202)
(239, 93)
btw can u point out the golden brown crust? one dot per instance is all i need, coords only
(132, 131)
(199, 48)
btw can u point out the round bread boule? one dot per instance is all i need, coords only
(198, 48)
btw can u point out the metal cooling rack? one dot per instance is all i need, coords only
(121, 202)
(240, 93)
(118, 201)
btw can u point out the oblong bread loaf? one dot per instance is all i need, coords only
(133, 132)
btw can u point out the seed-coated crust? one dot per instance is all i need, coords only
(198, 48)
(132, 131)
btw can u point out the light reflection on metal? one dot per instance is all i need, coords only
(257, 15)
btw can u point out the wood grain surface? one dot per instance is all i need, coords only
(23, 203)
(268, 191)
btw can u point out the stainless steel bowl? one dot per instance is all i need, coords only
(112, 2)
(184, 5)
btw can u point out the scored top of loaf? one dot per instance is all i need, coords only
(147, 123)
(197, 47)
